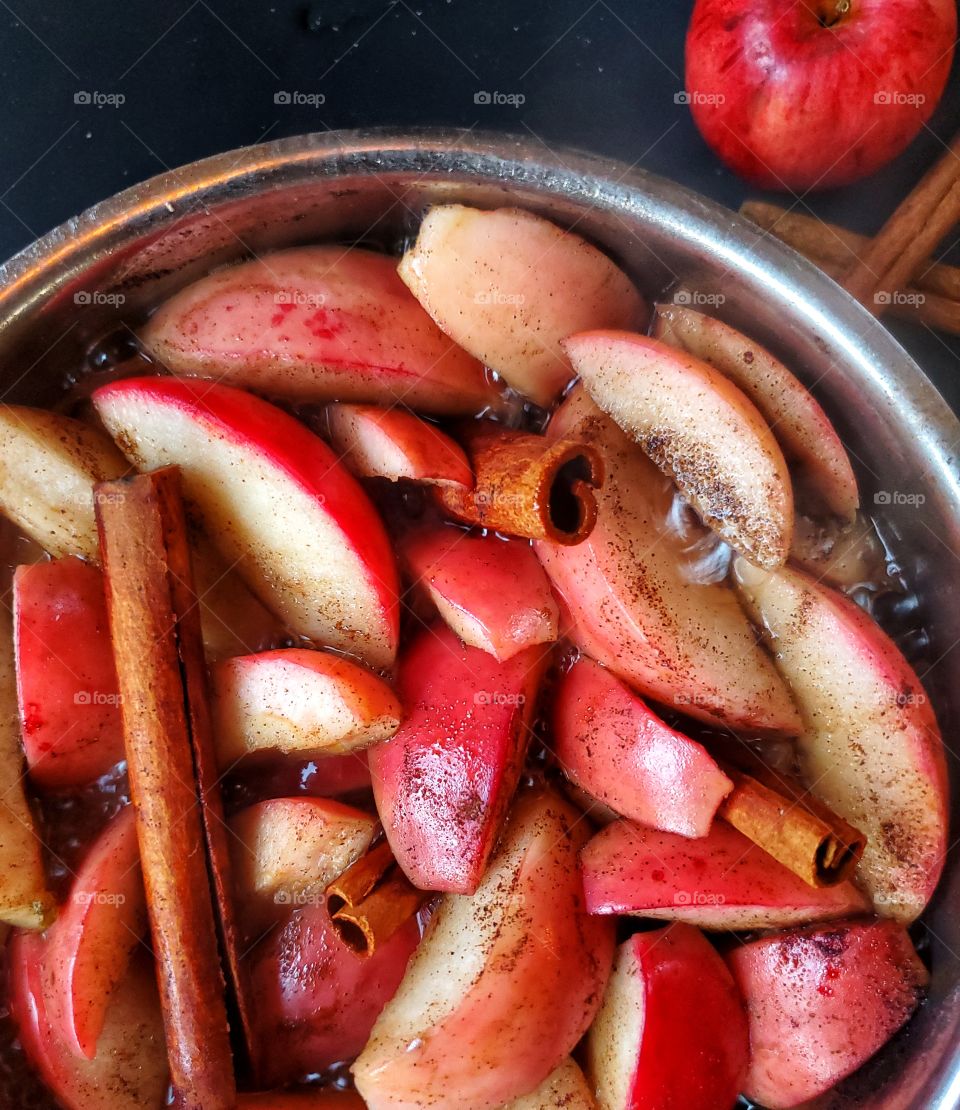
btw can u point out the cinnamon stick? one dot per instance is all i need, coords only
(371, 900)
(139, 521)
(526, 485)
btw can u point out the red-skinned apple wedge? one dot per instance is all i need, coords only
(504, 983)
(611, 744)
(871, 747)
(821, 1001)
(718, 882)
(392, 443)
(508, 285)
(321, 323)
(444, 782)
(822, 474)
(631, 606)
(700, 429)
(275, 500)
(803, 96)
(298, 701)
(90, 944)
(672, 1029)
(66, 679)
(492, 592)
(317, 999)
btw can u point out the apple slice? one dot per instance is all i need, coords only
(90, 944)
(321, 323)
(509, 285)
(609, 743)
(322, 1098)
(504, 983)
(871, 748)
(492, 592)
(631, 606)
(48, 467)
(275, 500)
(721, 881)
(565, 1088)
(317, 999)
(672, 1029)
(821, 1001)
(129, 1070)
(800, 425)
(288, 850)
(294, 700)
(391, 443)
(66, 679)
(699, 428)
(443, 783)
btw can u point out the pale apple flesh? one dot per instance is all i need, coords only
(821, 1001)
(718, 882)
(803, 430)
(319, 323)
(672, 1029)
(508, 286)
(298, 701)
(565, 1088)
(871, 747)
(611, 744)
(518, 967)
(491, 591)
(700, 429)
(392, 443)
(274, 499)
(631, 606)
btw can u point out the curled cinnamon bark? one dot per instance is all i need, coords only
(527, 485)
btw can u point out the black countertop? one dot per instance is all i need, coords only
(102, 94)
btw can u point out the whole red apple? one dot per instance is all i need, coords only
(803, 94)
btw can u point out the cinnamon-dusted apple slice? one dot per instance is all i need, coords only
(672, 1029)
(699, 428)
(803, 430)
(504, 983)
(631, 607)
(565, 1088)
(820, 1002)
(66, 678)
(443, 783)
(720, 881)
(289, 849)
(321, 323)
(274, 498)
(508, 286)
(295, 700)
(377, 442)
(48, 467)
(90, 944)
(611, 744)
(492, 592)
(871, 747)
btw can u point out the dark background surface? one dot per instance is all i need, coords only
(196, 77)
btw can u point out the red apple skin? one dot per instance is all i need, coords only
(66, 679)
(672, 1029)
(317, 999)
(720, 881)
(611, 744)
(492, 592)
(444, 782)
(821, 1001)
(788, 103)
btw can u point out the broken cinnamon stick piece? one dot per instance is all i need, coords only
(138, 520)
(793, 827)
(526, 485)
(371, 900)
